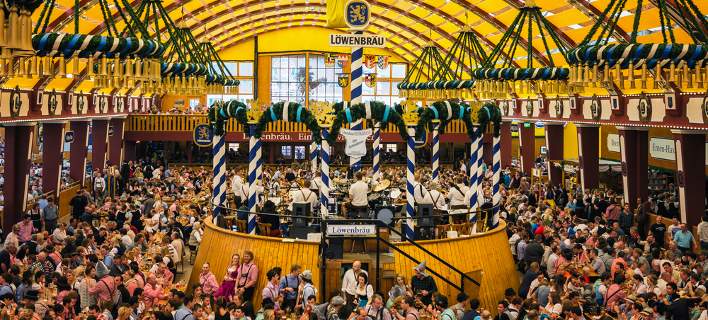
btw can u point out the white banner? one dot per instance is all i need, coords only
(662, 148)
(613, 142)
(357, 40)
(351, 230)
(355, 146)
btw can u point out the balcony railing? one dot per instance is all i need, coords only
(187, 123)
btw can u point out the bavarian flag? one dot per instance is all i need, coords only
(335, 14)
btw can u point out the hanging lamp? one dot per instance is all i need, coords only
(428, 69)
(601, 60)
(501, 76)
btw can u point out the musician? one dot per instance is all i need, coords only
(437, 196)
(358, 194)
(237, 189)
(304, 195)
(420, 192)
(457, 196)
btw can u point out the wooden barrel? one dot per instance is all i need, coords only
(485, 257)
(218, 245)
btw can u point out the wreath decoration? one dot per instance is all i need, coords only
(289, 112)
(220, 112)
(375, 110)
(446, 111)
(651, 54)
(490, 115)
(183, 69)
(52, 44)
(544, 73)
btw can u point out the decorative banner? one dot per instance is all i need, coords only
(69, 137)
(202, 135)
(664, 149)
(370, 80)
(357, 40)
(357, 14)
(613, 142)
(355, 146)
(351, 230)
(370, 61)
(342, 57)
(335, 13)
(382, 62)
(330, 59)
(343, 79)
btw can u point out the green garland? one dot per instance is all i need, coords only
(438, 111)
(490, 113)
(220, 112)
(275, 113)
(358, 111)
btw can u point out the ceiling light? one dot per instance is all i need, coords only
(575, 26)
(548, 13)
(625, 13)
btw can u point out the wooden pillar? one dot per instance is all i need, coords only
(554, 144)
(18, 156)
(634, 153)
(505, 136)
(78, 152)
(99, 138)
(588, 155)
(52, 150)
(527, 146)
(690, 165)
(115, 142)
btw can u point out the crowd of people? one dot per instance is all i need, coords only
(580, 255)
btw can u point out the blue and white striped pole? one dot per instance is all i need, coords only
(480, 168)
(324, 173)
(436, 150)
(496, 179)
(356, 90)
(313, 156)
(218, 198)
(259, 169)
(377, 151)
(408, 228)
(473, 175)
(254, 153)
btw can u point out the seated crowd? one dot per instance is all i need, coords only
(581, 255)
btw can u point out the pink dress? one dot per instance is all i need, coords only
(226, 289)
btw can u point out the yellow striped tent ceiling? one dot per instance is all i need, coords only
(408, 24)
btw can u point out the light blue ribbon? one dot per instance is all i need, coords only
(348, 113)
(299, 111)
(435, 111)
(462, 112)
(387, 110)
(272, 115)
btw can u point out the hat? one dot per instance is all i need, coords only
(420, 267)
(306, 275)
(101, 269)
(336, 301)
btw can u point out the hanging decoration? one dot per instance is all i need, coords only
(596, 62)
(501, 75)
(16, 29)
(441, 113)
(219, 79)
(427, 70)
(343, 79)
(370, 80)
(382, 62)
(289, 112)
(114, 60)
(370, 61)
(220, 112)
(374, 110)
(329, 59)
(465, 55)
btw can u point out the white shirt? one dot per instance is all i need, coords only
(316, 183)
(457, 197)
(422, 195)
(358, 193)
(303, 195)
(349, 281)
(438, 199)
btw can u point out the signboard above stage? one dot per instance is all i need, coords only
(351, 230)
(357, 40)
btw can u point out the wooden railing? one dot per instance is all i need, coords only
(187, 123)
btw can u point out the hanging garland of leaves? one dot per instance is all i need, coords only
(51, 44)
(379, 112)
(295, 113)
(439, 111)
(490, 114)
(220, 112)
(182, 69)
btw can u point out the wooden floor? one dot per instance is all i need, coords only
(484, 257)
